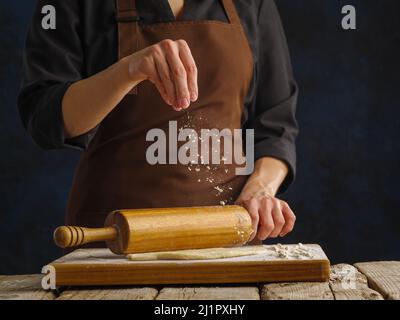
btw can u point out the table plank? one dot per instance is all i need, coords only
(297, 291)
(383, 276)
(24, 287)
(214, 293)
(365, 281)
(120, 293)
(347, 283)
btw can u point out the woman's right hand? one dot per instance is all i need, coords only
(170, 66)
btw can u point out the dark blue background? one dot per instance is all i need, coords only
(347, 192)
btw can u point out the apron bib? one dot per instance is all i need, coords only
(113, 173)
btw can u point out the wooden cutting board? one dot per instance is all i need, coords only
(89, 267)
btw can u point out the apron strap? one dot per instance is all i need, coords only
(231, 12)
(128, 29)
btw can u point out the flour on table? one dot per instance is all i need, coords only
(279, 251)
(199, 254)
(299, 251)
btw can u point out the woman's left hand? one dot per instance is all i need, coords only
(271, 217)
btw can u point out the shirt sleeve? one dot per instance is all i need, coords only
(272, 111)
(52, 61)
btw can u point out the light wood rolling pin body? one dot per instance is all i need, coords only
(152, 230)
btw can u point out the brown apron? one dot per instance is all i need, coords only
(113, 172)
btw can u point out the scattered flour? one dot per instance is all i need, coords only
(203, 167)
(297, 252)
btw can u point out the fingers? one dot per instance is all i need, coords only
(191, 69)
(175, 73)
(178, 75)
(267, 225)
(289, 217)
(164, 74)
(155, 79)
(279, 220)
(170, 66)
(275, 218)
(252, 208)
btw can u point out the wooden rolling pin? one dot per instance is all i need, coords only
(152, 230)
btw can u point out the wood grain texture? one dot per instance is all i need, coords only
(109, 294)
(26, 287)
(68, 237)
(164, 229)
(347, 283)
(383, 277)
(97, 267)
(221, 293)
(297, 291)
(168, 229)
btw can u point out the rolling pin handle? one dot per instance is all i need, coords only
(69, 236)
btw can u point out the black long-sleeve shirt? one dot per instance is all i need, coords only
(85, 43)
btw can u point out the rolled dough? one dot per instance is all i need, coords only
(199, 254)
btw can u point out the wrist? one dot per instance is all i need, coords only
(263, 186)
(269, 173)
(128, 77)
(131, 65)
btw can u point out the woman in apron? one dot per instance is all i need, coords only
(111, 71)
